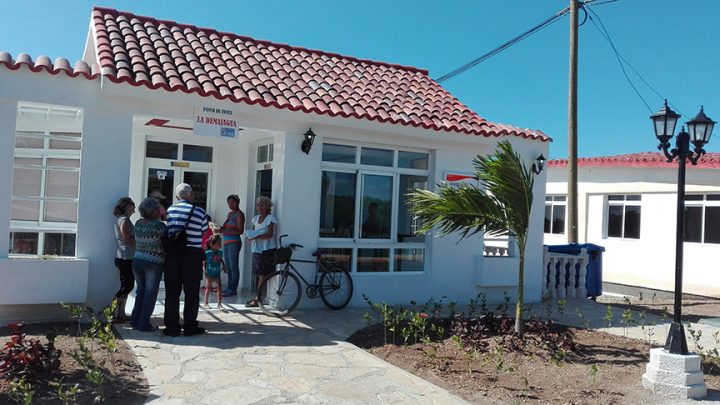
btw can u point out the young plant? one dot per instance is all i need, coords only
(22, 357)
(548, 305)
(21, 391)
(583, 319)
(627, 319)
(562, 306)
(608, 317)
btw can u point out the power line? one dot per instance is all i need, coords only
(622, 61)
(504, 46)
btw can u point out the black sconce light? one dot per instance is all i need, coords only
(539, 164)
(308, 139)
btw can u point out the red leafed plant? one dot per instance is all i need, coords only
(23, 357)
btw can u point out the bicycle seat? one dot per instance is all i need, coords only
(319, 252)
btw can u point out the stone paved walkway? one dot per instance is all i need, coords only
(249, 358)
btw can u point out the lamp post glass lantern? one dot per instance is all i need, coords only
(699, 132)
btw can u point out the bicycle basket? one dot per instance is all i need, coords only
(282, 255)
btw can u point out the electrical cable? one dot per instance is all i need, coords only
(504, 46)
(604, 33)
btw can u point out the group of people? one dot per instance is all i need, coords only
(143, 257)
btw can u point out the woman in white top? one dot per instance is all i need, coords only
(264, 244)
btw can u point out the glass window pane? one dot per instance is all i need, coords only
(635, 197)
(558, 225)
(199, 183)
(162, 150)
(161, 185)
(632, 222)
(26, 182)
(693, 222)
(560, 198)
(373, 260)
(66, 134)
(377, 157)
(548, 198)
(28, 142)
(23, 210)
(616, 197)
(408, 224)
(56, 211)
(338, 257)
(376, 210)
(55, 162)
(713, 197)
(263, 183)
(197, 153)
(693, 197)
(712, 224)
(59, 244)
(409, 259)
(23, 243)
(62, 184)
(615, 221)
(262, 154)
(64, 144)
(337, 205)
(338, 153)
(271, 148)
(413, 160)
(548, 219)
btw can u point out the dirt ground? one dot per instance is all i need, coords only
(603, 369)
(124, 381)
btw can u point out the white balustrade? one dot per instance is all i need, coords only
(564, 275)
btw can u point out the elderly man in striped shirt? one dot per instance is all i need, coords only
(183, 272)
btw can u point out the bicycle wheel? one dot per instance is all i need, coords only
(336, 288)
(279, 293)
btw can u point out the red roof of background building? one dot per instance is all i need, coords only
(143, 51)
(644, 159)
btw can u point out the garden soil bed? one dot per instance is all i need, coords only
(602, 369)
(124, 382)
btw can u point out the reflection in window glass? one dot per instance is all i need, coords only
(62, 184)
(409, 259)
(337, 205)
(615, 221)
(24, 243)
(26, 142)
(56, 211)
(712, 224)
(161, 150)
(373, 260)
(23, 210)
(26, 182)
(338, 153)
(632, 221)
(64, 144)
(412, 160)
(558, 221)
(408, 224)
(59, 244)
(693, 221)
(376, 214)
(338, 257)
(197, 153)
(377, 157)
(548, 218)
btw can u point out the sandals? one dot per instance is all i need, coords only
(251, 304)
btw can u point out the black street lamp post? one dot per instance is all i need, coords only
(699, 131)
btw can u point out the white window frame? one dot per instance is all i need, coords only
(356, 242)
(703, 204)
(41, 226)
(622, 203)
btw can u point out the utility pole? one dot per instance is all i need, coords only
(572, 126)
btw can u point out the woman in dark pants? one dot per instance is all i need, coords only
(125, 238)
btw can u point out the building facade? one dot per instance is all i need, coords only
(156, 103)
(627, 204)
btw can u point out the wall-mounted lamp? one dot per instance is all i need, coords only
(308, 139)
(539, 164)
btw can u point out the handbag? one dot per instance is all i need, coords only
(175, 243)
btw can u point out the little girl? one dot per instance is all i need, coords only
(212, 265)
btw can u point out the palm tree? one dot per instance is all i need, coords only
(500, 206)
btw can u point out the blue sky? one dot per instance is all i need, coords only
(675, 45)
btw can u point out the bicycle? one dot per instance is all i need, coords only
(280, 293)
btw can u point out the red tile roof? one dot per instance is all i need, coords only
(644, 159)
(143, 51)
(61, 65)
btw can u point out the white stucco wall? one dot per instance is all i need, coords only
(113, 166)
(650, 260)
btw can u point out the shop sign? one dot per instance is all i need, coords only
(211, 121)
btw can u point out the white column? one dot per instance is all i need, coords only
(8, 112)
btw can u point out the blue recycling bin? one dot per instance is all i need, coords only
(593, 279)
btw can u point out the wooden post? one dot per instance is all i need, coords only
(572, 127)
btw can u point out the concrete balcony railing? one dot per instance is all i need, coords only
(564, 275)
